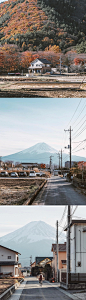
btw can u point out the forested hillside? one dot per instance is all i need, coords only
(38, 25)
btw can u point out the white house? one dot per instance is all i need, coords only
(40, 66)
(9, 261)
(78, 246)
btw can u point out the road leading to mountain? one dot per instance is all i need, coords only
(33, 290)
(58, 191)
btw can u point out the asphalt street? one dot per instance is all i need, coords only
(58, 191)
(33, 291)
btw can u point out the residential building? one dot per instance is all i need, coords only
(62, 256)
(42, 261)
(78, 246)
(82, 165)
(29, 165)
(40, 66)
(67, 164)
(9, 260)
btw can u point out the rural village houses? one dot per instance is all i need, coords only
(62, 256)
(9, 261)
(40, 66)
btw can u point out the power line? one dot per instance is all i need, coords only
(75, 112)
(64, 212)
(79, 150)
(79, 127)
(79, 114)
(80, 132)
(80, 121)
(79, 144)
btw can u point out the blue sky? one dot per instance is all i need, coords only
(24, 215)
(25, 122)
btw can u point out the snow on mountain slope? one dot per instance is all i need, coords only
(32, 232)
(40, 148)
(35, 238)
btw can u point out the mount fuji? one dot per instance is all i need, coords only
(39, 153)
(34, 239)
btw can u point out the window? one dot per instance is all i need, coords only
(79, 263)
(9, 257)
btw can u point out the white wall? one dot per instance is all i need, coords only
(4, 253)
(37, 63)
(78, 248)
(7, 269)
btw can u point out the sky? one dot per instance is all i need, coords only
(25, 122)
(14, 217)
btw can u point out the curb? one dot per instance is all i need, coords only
(10, 291)
(64, 292)
(31, 199)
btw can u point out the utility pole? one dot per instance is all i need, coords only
(50, 162)
(60, 64)
(69, 146)
(57, 247)
(61, 161)
(68, 244)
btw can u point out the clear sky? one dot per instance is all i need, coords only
(14, 217)
(25, 122)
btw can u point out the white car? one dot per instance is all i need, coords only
(32, 174)
(14, 174)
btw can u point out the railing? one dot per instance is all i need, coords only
(73, 278)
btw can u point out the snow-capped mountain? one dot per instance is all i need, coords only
(33, 232)
(39, 153)
(34, 239)
(40, 148)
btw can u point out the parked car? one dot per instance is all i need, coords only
(22, 174)
(32, 174)
(4, 174)
(38, 174)
(42, 174)
(14, 174)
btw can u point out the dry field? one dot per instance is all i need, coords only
(56, 87)
(17, 191)
(7, 283)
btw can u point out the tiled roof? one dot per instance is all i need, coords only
(61, 247)
(39, 259)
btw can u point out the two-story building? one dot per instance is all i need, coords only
(78, 246)
(40, 66)
(62, 258)
(9, 260)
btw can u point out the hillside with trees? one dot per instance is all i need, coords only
(35, 25)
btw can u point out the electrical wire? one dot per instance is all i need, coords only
(75, 111)
(83, 129)
(79, 128)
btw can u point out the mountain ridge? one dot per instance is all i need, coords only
(34, 238)
(42, 156)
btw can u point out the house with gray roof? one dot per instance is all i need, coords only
(40, 66)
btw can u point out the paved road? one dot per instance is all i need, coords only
(33, 291)
(58, 191)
